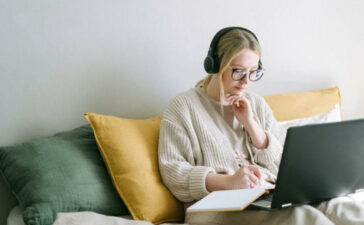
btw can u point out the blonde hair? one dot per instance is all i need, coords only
(228, 47)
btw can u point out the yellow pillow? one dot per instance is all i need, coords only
(303, 104)
(129, 148)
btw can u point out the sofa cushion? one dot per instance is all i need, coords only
(60, 173)
(129, 148)
(291, 106)
(333, 115)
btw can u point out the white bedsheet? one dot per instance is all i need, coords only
(80, 218)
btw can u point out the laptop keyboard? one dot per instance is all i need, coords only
(265, 201)
(267, 197)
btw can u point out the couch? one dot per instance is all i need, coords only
(290, 109)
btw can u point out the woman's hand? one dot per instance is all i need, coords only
(242, 108)
(245, 177)
(244, 114)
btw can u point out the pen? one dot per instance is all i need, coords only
(238, 158)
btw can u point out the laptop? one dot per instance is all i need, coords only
(319, 162)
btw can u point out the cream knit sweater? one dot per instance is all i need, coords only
(191, 145)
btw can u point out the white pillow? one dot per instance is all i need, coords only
(333, 115)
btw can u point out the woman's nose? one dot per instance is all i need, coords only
(245, 80)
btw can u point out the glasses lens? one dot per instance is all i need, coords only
(256, 75)
(238, 74)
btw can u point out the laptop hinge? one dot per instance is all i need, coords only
(286, 205)
(359, 190)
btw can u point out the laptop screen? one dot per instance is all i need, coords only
(319, 162)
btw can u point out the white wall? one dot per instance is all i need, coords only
(59, 59)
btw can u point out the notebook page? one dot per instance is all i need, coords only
(227, 200)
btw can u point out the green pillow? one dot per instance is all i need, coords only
(60, 173)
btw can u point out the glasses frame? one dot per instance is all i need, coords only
(249, 76)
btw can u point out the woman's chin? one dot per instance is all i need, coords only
(237, 91)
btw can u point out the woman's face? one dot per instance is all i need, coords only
(247, 60)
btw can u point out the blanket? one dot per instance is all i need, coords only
(81, 218)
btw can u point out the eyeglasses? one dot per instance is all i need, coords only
(239, 74)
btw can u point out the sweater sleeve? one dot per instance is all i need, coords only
(270, 156)
(176, 163)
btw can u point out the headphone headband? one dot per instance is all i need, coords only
(212, 61)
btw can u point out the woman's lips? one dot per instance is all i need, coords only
(240, 88)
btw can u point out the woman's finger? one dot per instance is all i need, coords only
(245, 169)
(255, 170)
(230, 99)
(254, 179)
(251, 185)
(243, 100)
(235, 101)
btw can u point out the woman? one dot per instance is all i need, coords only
(219, 136)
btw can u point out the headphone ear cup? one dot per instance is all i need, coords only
(209, 64)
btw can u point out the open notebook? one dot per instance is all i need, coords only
(229, 200)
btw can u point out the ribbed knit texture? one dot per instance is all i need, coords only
(191, 144)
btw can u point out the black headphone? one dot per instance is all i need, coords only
(212, 62)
